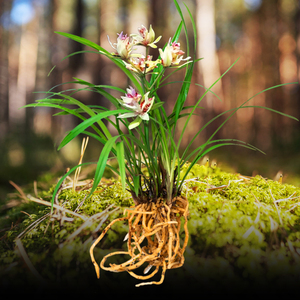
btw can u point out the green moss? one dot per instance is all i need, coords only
(246, 228)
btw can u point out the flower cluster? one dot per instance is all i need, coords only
(141, 65)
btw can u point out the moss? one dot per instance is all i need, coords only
(245, 230)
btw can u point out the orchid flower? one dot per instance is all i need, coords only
(139, 105)
(141, 64)
(123, 46)
(146, 37)
(131, 97)
(172, 55)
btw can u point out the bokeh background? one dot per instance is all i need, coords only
(263, 34)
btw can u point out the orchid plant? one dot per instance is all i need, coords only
(145, 146)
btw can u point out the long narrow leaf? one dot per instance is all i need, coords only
(191, 113)
(121, 162)
(102, 162)
(200, 155)
(89, 111)
(59, 183)
(187, 80)
(85, 124)
(184, 25)
(83, 41)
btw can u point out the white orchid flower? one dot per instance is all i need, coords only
(123, 46)
(139, 109)
(146, 38)
(141, 64)
(172, 54)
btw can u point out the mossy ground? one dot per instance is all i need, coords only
(244, 236)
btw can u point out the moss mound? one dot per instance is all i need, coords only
(244, 236)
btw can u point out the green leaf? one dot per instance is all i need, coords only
(185, 28)
(196, 105)
(99, 89)
(183, 93)
(136, 184)
(194, 28)
(88, 110)
(102, 162)
(218, 141)
(177, 33)
(85, 124)
(187, 80)
(65, 110)
(58, 185)
(81, 81)
(156, 105)
(83, 41)
(121, 162)
(96, 137)
(177, 68)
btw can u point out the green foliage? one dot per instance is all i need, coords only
(149, 140)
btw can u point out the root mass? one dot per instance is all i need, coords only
(159, 225)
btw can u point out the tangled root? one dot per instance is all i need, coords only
(158, 224)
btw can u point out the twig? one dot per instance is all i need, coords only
(35, 188)
(19, 190)
(60, 188)
(286, 199)
(77, 172)
(274, 201)
(56, 206)
(80, 204)
(33, 224)
(297, 204)
(105, 213)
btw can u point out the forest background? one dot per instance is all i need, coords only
(263, 34)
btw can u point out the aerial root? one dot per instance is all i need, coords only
(158, 224)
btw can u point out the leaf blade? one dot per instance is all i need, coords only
(85, 124)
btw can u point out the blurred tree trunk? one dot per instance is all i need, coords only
(4, 73)
(205, 21)
(297, 23)
(158, 19)
(66, 17)
(269, 126)
(209, 65)
(76, 61)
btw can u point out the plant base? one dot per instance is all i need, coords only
(157, 224)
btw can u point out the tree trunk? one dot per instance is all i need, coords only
(209, 65)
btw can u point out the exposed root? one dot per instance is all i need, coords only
(159, 225)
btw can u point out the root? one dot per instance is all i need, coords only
(158, 224)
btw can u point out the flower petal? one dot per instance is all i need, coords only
(152, 45)
(144, 117)
(135, 123)
(127, 115)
